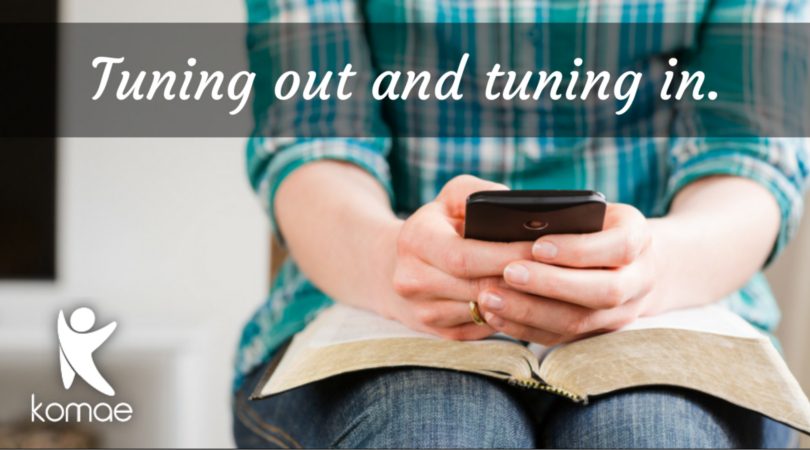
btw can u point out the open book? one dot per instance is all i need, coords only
(709, 349)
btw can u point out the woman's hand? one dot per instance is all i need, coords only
(576, 285)
(422, 273)
(437, 272)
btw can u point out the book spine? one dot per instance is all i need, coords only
(539, 385)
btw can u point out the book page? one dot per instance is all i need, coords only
(344, 339)
(714, 318)
(348, 324)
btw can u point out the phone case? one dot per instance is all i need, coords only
(511, 216)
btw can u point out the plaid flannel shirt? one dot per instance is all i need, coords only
(645, 172)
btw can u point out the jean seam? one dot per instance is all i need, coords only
(258, 431)
(258, 421)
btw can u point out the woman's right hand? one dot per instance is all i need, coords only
(437, 272)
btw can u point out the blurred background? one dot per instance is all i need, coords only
(165, 237)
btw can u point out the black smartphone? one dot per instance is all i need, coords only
(511, 216)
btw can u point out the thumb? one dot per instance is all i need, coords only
(453, 195)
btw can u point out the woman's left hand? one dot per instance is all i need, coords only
(577, 284)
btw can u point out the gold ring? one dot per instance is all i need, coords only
(476, 314)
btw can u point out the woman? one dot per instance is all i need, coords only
(373, 222)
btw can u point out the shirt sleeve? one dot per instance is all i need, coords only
(310, 35)
(778, 164)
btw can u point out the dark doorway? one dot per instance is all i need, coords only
(28, 57)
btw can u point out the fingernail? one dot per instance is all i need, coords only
(516, 273)
(493, 320)
(492, 301)
(544, 250)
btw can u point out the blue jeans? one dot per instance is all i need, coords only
(421, 408)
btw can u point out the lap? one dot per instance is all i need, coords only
(659, 417)
(391, 408)
(414, 407)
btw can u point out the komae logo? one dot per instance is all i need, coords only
(76, 346)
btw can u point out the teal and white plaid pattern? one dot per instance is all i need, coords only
(644, 172)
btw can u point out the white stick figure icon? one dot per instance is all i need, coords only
(76, 346)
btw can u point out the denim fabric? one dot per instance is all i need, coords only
(427, 408)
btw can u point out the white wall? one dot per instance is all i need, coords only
(152, 11)
(162, 235)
